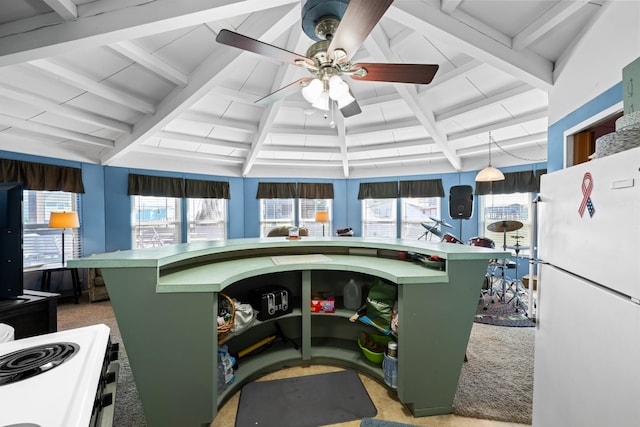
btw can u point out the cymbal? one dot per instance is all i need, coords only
(504, 226)
(518, 247)
(433, 229)
(439, 221)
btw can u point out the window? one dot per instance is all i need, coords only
(207, 219)
(416, 210)
(156, 221)
(41, 244)
(276, 213)
(307, 216)
(379, 218)
(510, 207)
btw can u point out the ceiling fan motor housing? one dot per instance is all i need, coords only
(315, 11)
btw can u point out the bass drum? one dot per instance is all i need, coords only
(450, 238)
(482, 241)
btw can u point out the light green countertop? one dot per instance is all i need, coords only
(166, 255)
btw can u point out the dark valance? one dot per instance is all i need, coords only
(422, 188)
(159, 186)
(195, 188)
(308, 190)
(41, 177)
(378, 190)
(276, 190)
(514, 182)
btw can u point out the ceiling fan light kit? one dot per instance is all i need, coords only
(339, 28)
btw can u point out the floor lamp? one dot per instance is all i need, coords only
(63, 220)
(322, 216)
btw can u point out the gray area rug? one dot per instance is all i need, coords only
(308, 401)
(496, 383)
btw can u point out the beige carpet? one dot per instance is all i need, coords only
(495, 384)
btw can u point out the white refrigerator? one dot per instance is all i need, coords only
(587, 348)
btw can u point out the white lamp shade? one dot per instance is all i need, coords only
(337, 88)
(312, 91)
(322, 103)
(489, 174)
(64, 220)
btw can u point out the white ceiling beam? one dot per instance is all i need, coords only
(298, 163)
(431, 22)
(54, 131)
(65, 8)
(102, 23)
(265, 26)
(549, 20)
(407, 124)
(63, 110)
(519, 142)
(83, 82)
(181, 137)
(150, 62)
(284, 74)
(200, 117)
(457, 73)
(187, 154)
(234, 95)
(390, 146)
(342, 142)
(498, 98)
(377, 43)
(536, 115)
(307, 149)
(448, 6)
(389, 160)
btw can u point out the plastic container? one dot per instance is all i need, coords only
(372, 356)
(352, 295)
(390, 369)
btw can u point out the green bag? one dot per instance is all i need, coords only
(380, 302)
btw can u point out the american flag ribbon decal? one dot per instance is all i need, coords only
(587, 187)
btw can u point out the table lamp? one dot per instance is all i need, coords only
(63, 220)
(322, 216)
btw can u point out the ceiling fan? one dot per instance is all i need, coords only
(339, 28)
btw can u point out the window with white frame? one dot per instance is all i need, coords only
(307, 210)
(207, 219)
(379, 218)
(510, 207)
(417, 210)
(155, 221)
(41, 244)
(276, 213)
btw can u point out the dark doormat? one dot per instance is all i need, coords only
(309, 401)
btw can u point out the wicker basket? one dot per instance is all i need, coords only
(225, 304)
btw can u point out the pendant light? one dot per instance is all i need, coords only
(489, 173)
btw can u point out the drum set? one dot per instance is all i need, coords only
(500, 287)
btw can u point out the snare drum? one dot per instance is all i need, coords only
(450, 238)
(482, 241)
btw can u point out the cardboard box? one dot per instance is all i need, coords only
(323, 302)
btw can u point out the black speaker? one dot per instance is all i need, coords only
(461, 202)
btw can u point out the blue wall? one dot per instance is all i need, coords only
(106, 208)
(555, 145)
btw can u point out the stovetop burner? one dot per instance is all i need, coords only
(32, 361)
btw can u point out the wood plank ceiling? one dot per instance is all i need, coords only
(144, 84)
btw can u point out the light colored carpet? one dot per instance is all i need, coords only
(495, 384)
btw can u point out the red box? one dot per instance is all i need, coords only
(323, 302)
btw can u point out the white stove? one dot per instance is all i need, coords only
(61, 379)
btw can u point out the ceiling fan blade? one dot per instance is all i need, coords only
(351, 109)
(284, 92)
(240, 41)
(356, 24)
(397, 73)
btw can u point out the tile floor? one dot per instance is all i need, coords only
(389, 408)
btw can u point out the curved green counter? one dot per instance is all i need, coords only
(166, 302)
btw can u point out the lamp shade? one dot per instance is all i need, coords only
(489, 174)
(64, 220)
(322, 216)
